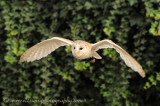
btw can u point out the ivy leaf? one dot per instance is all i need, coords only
(88, 5)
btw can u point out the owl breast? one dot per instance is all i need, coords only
(83, 55)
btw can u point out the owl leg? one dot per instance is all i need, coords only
(91, 60)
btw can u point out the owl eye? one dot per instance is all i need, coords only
(80, 48)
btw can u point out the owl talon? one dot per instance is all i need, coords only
(93, 60)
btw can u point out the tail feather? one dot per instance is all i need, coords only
(96, 55)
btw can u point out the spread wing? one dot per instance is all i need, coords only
(44, 48)
(128, 59)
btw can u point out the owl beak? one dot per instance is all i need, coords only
(77, 52)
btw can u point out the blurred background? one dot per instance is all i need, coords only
(132, 24)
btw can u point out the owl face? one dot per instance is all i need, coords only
(80, 50)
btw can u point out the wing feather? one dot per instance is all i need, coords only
(44, 48)
(34, 55)
(38, 53)
(128, 59)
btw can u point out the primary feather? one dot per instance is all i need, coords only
(128, 59)
(44, 48)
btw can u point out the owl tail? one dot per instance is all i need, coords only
(96, 55)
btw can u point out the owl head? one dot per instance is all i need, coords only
(80, 49)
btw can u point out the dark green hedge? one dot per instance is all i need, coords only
(132, 24)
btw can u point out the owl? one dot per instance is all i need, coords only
(80, 50)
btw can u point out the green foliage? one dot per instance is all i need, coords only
(80, 66)
(153, 80)
(154, 13)
(132, 24)
(108, 27)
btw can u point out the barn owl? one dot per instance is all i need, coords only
(80, 50)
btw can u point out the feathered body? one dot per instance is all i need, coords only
(80, 50)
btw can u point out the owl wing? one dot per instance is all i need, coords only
(44, 48)
(128, 59)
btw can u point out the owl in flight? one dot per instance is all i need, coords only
(80, 50)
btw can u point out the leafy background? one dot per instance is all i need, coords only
(132, 24)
